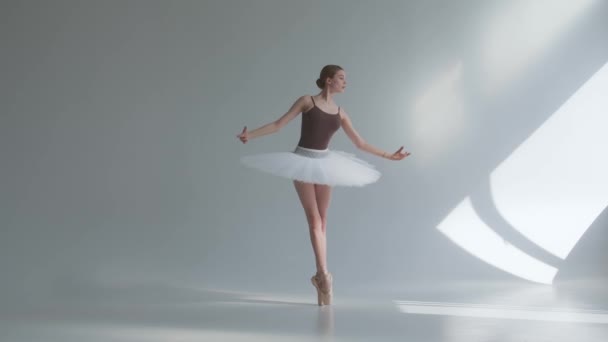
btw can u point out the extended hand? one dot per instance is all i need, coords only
(398, 155)
(244, 136)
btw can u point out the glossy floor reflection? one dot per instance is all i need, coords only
(458, 312)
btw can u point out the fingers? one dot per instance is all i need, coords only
(243, 135)
(400, 154)
(405, 153)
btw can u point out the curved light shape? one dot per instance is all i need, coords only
(554, 185)
(550, 189)
(464, 227)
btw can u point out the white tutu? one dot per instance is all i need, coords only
(315, 166)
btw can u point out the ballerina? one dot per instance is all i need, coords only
(313, 167)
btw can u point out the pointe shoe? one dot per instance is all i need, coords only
(323, 283)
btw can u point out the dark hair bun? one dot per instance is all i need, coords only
(328, 71)
(320, 83)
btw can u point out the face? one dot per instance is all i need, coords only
(337, 84)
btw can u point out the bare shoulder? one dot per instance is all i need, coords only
(305, 99)
(301, 104)
(305, 102)
(343, 114)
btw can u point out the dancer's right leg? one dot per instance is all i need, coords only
(306, 193)
(309, 197)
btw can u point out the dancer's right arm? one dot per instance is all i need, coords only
(276, 125)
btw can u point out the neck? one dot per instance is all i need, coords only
(326, 95)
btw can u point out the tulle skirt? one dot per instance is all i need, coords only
(329, 167)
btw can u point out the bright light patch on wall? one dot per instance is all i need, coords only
(464, 227)
(554, 186)
(438, 116)
(550, 189)
(520, 31)
(503, 312)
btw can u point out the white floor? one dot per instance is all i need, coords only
(463, 312)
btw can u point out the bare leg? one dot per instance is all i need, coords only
(323, 196)
(307, 194)
(315, 201)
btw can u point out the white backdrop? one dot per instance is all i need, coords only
(120, 161)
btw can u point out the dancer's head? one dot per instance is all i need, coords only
(333, 78)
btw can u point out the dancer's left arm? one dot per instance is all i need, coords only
(361, 144)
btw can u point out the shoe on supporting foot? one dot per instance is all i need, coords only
(323, 283)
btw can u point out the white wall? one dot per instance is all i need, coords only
(118, 123)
